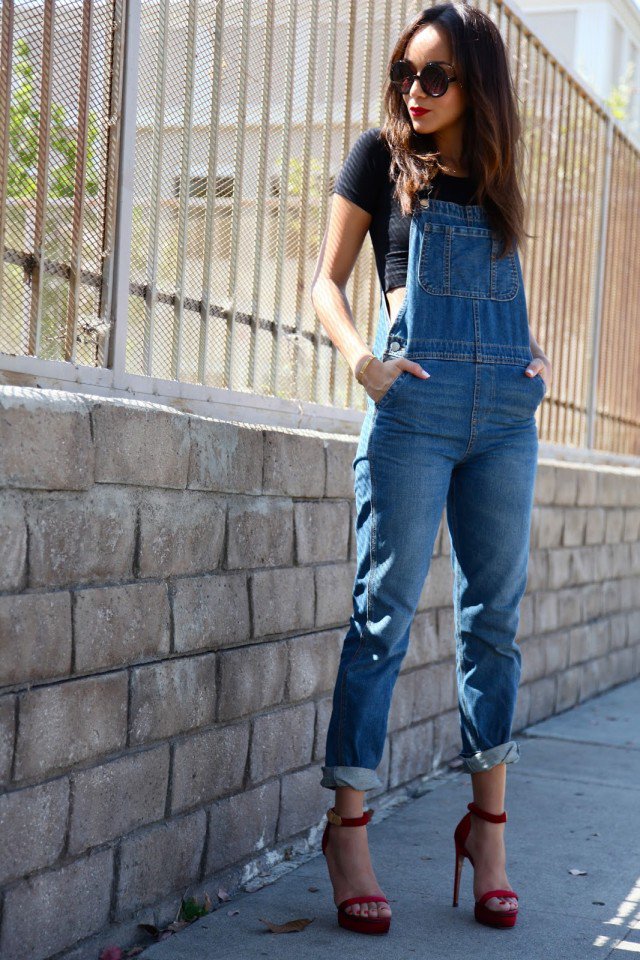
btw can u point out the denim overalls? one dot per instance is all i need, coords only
(466, 438)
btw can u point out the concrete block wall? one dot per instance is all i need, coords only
(174, 592)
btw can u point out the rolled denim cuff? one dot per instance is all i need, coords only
(485, 759)
(359, 778)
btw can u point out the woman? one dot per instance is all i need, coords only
(454, 381)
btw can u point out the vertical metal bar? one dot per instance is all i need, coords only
(346, 141)
(117, 347)
(185, 190)
(156, 189)
(300, 289)
(114, 94)
(583, 214)
(209, 222)
(327, 139)
(42, 176)
(261, 182)
(6, 54)
(563, 272)
(360, 278)
(237, 189)
(598, 296)
(75, 260)
(287, 83)
(625, 340)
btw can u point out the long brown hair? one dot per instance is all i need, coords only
(492, 144)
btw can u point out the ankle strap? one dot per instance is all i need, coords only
(339, 821)
(491, 817)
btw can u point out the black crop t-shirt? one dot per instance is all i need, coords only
(364, 179)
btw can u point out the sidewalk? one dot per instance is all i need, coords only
(573, 801)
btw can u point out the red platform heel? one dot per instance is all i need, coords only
(348, 920)
(482, 913)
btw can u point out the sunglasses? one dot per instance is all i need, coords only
(432, 78)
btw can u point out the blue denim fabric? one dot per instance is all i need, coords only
(465, 439)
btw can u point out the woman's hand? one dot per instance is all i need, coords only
(541, 365)
(379, 375)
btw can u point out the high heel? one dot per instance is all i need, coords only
(348, 920)
(482, 913)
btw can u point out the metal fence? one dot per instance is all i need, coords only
(166, 180)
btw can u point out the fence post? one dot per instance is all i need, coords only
(598, 295)
(124, 193)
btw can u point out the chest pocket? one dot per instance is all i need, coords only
(462, 261)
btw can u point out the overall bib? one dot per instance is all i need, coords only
(465, 438)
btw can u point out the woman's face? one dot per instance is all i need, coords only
(447, 112)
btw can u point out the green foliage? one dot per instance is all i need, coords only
(24, 122)
(620, 96)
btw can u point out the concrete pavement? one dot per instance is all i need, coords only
(573, 802)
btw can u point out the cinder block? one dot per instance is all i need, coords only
(160, 860)
(66, 723)
(119, 625)
(575, 521)
(556, 646)
(340, 453)
(566, 492)
(533, 665)
(33, 823)
(314, 661)
(303, 801)
(45, 438)
(211, 612)
(171, 697)
(35, 636)
(140, 443)
(615, 525)
(225, 456)
(438, 587)
(546, 613)
(424, 639)
(282, 741)
(323, 715)
(139, 781)
(251, 678)
(446, 738)
(610, 486)
(588, 641)
(401, 711)
(41, 915)
(283, 600)
(412, 753)
(322, 530)
(549, 526)
(587, 486)
(631, 531)
(242, 826)
(81, 538)
(521, 715)
(260, 532)
(570, 606)
(7, 723)
(595, 526)
(542, 699)
(334, 592)
(180, 533)
(13, 541)
(568, 688)
(560, 569)
(208, 765)
(545, 484)
(294, 464)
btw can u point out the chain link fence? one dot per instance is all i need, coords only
(223, 126)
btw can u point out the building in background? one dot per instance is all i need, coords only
(600, 41)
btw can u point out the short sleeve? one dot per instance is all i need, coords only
(361, 176)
